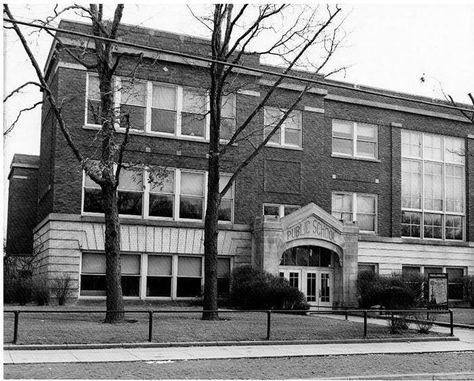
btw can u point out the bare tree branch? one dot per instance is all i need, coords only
(256, 151)
(49, 95)
(278, 81)
(18, 89)
(12, 126)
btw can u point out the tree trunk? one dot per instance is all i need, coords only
(210, 242)
(115, 309)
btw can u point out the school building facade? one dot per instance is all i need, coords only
(357, 178)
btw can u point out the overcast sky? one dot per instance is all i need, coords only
(388, 46)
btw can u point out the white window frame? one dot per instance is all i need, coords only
(443, 212)
(354, 140)
(177, 193)
(148, 110)
(354, 207)
(298, 114)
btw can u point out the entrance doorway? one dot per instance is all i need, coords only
(310, 269)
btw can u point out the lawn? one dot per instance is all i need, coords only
(84, 327)
(461, 316)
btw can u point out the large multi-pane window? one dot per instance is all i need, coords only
(290, 132)
(356, 207)
(353, 139)
(433, 189)
(161, 108)
(93, 274)
(455, 277)
(162, 275)
(173, 194)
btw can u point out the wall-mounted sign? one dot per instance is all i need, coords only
(438, 288)
(311, 227)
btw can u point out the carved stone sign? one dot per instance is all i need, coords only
(311, 227)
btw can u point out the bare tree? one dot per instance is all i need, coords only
(107, 171)
(234, 31)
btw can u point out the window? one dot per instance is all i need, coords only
(163, 276)
(356, 207)
(159, 276)
(191, 202)
(130, 191)
(189, 277)
(177, 194)
(308, 256)
(277, 211)
(194, 113)
(433, 205)
(358, 140)
(367, 267)
(164, 109)
(93, 274)
(133, 102)
(290, 132)
(455, 282)
(455, 277)
(227, 201)
(161, 199)
(93, 100)
(223, 276)
(92, 196)
(130, 268)
(228, 116)
(161, 108)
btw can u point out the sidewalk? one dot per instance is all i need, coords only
(225, 352)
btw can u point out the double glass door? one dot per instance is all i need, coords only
(316, 284)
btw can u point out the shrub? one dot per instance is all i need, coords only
(468, 289)
(23, 288)
(40, 291)
(396, 297)
(392, 292)
(256, 289)
(397, 324)
(423, 322)
(62, 288)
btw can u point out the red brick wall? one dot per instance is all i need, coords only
(253, 188)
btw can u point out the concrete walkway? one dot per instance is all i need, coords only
(225, 352)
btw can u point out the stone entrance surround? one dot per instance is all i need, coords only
(311, 226)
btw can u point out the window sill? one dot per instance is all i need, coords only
(157, 135)
(355, 158)
(291, 148)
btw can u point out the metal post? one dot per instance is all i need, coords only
(365, 323)
(346, 314)
(451, 321)
(269, 314)
(150, 326)
(15, 327)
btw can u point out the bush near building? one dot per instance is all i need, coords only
(254, 289)
(392, 292)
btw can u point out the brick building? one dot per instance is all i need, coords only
(357, 178)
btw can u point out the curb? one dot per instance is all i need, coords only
(220, 343)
